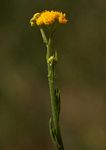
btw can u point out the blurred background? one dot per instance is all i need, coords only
(24, 97)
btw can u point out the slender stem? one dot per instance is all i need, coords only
(51, 80)
(54, 95)
(43, 36)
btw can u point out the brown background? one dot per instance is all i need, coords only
(24, 97)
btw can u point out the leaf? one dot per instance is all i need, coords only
(53, 134)
(52, 131)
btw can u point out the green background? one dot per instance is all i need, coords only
(24, 97)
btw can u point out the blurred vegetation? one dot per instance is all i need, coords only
(24, 98)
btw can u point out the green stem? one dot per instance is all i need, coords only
(51, 80)
(43, 36)
(54, 95)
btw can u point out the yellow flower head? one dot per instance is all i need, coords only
(48, 18)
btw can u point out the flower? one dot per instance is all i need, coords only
(48, 18)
